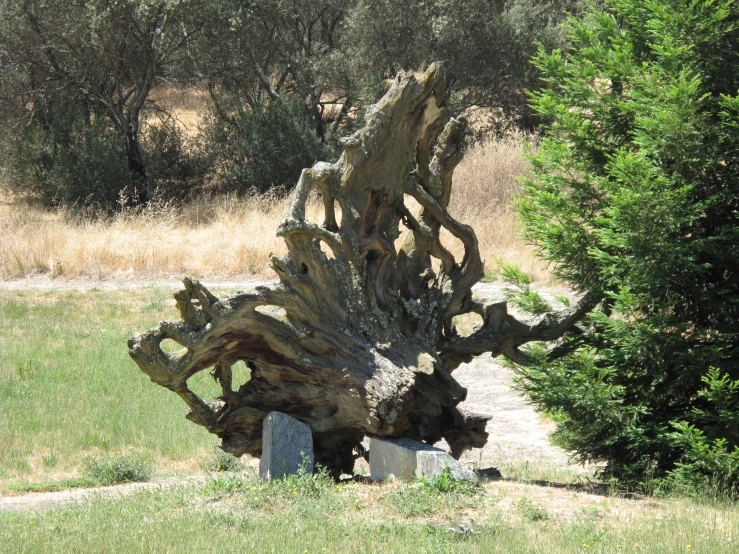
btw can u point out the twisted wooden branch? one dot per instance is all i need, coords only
(360, 342)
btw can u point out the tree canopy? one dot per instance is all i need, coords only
(634, 197)
(97, 57)
(285, 80)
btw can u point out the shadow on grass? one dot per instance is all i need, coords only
(598, 489)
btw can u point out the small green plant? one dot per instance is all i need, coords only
(304, 483)
(219, 460)
(221, 485)
(439, 493)
(51, 460)
(521, 295)
(119, 468)
(446, 483)
(530, 511)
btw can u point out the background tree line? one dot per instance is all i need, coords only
(285, 79)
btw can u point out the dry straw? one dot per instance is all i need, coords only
(229, 237)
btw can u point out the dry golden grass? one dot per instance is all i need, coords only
(231, 237)
(217, 238)
(185, 105)
(484, 185)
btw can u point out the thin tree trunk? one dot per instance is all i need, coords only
(139, 193)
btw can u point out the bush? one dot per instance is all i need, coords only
(78, 161)
(119, 468)
(635, 195)
(71, 161)
(176, 165)
(263, 148)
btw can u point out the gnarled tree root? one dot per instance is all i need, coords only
(357, 337)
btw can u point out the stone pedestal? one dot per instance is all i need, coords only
(287, 447)
(407, 459)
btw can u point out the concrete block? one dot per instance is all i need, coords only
(407, 459)
(287, 446)
(431, 464)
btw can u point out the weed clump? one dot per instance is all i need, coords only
(119, 468)
(441, 493)
(220, 461)
(531, 511)
(256, 491)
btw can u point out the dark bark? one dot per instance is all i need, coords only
(139, 193)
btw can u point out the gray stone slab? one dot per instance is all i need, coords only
(431, 464)
(287, 447)
(406, 459)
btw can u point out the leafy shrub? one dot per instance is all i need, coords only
(119, 468)
(78, 161)
(263, 148)
(634, 196)
(72, 161)
(175, 164)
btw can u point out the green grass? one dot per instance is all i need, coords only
(53, 486)
(99, 470)
(442, 494)
(238, 512)
(69, 393)
(68, 387)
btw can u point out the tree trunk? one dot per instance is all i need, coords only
(139, 193)
(357, 337)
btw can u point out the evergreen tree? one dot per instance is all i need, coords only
(634, 195)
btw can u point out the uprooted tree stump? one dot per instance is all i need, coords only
(357, 337)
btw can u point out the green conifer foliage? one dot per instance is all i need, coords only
(634, 193)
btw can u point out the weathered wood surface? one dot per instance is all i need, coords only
(363, 341)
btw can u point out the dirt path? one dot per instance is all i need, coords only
(42, 501)
(43, 282)
(518, 435)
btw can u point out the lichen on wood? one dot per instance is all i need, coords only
(357, 337)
